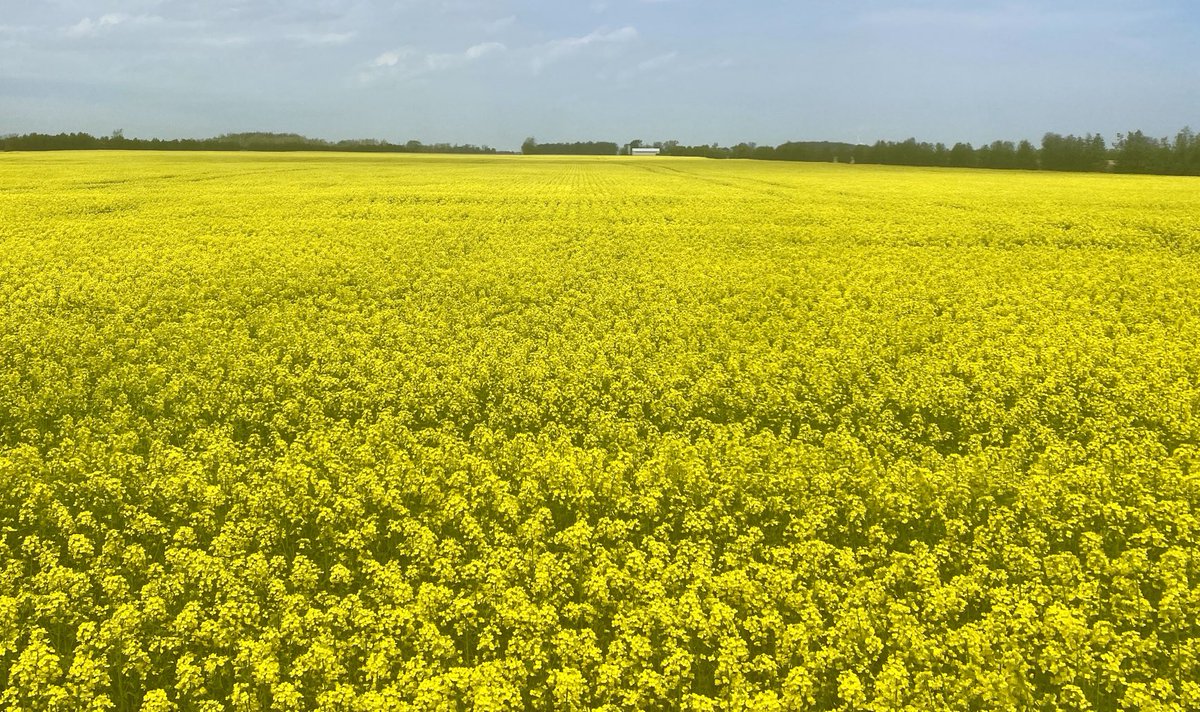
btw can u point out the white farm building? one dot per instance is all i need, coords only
(644, 151)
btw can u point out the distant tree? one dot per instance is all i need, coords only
(1096, 153)
(824, 151)
(1185, 153)
(1054, 152)
(1000, 154)
(962, 155)
(1074, 153)
(744, 150)
(1027, 155)
(578, 148)
(702, 151)
(1138, 153)
(941, 155)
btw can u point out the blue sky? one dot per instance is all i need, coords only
(699, 71)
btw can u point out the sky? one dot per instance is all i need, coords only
(698, 71)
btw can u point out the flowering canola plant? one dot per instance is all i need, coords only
(313, 431)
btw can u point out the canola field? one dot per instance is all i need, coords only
(311, 431)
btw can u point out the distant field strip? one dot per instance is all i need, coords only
(354, 432)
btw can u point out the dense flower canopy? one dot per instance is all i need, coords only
(383, 432)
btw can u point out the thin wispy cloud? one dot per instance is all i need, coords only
(1007, 16)
(657, 63)
(217, 41)
(320, 39)
(484, 48)
(559, 49)
(87, 27)
(410, 63)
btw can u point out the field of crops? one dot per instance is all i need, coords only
(352, 432)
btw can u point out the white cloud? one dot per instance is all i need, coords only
(482, 49)
(219, 41)
(407, 62)
(555, 50)
(392, 57)
(654, 63)
(661, 64)
(318, 39)
(87, 27)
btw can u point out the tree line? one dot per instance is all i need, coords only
(251, 141)
(579, 148)
(1133, 152)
